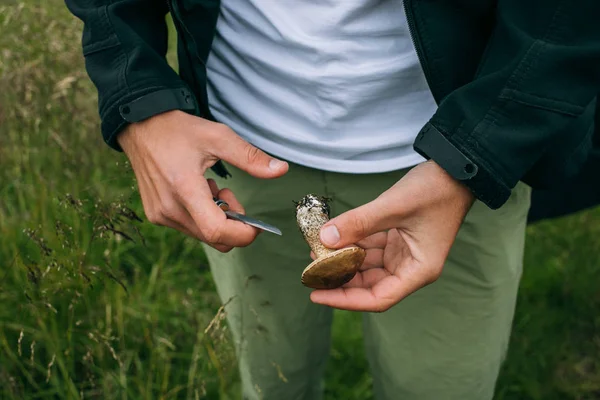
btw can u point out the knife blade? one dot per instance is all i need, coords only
(246, 219)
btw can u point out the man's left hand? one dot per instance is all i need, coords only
(407, 231)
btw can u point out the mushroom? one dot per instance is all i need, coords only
(332, 268)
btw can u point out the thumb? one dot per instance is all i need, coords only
(236, 151)
(355, 225)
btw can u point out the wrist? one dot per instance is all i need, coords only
(433, 185)
(125, 137)
(131, 134)
(453, 187)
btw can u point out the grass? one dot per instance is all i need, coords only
(97, 303)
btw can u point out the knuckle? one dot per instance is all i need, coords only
(253, 154)
(211, 235)
(183, 187)
(226, 192)
(180, 181)
(361, 225)
(177, 180)
(219, 130)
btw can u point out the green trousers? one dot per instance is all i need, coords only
(444, 342)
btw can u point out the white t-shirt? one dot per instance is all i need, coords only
(330, 84)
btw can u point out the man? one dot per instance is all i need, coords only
(351, 94)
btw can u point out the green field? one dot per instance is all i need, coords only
(97, 303)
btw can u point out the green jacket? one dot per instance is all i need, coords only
(516, 81)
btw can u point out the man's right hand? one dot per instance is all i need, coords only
(170, 153)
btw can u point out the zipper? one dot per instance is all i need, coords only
(412, 29)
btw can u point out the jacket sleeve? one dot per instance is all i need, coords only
(539, 75)
(124, 44)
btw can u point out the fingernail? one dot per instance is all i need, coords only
(330, 235)
(276, 165)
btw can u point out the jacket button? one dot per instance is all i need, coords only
(469, 168)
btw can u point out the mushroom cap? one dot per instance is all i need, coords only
(334, 269)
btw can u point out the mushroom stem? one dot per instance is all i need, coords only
(318, 248)
(312, 212)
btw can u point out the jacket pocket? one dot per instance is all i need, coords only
(99, 33)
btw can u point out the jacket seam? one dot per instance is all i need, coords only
(499, 104)
(522, 70)
(95, 46)
(518, 75)
(485, 158)
(553, 27)
(124, 54)
(489, 119)
(574, 112)
(493, 123)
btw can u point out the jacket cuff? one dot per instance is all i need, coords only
(462, 165)
(141, 105)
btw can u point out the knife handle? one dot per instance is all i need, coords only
(222, 204)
